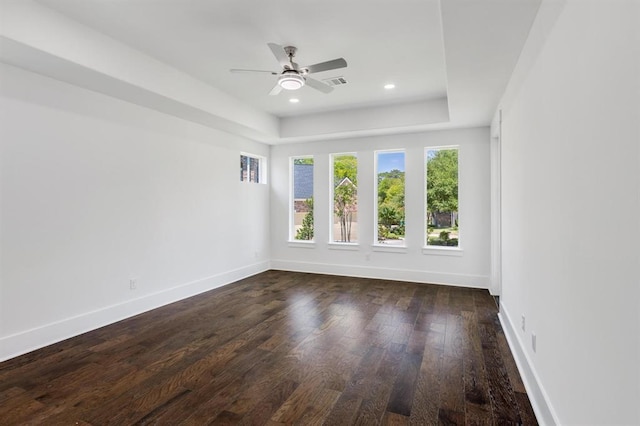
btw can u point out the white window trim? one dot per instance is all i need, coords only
(389, 249)
(337, 245)
(292, 235)
(331, 194)
(442, 251)
(302, 243)
(438, 250)
(375, 192)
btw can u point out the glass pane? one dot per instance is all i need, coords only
(442, 197)
(345, 198)
(390, 173)
(243, 168)
(252, 169)
(302, 224)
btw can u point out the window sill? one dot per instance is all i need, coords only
(343, 246)
(442, 251)
(388, 248)
(301, 243)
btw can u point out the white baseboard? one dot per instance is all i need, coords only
(36, 338)
(460, 280)
(537, 395)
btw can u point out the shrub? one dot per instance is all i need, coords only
(452, 242)
(306, 231)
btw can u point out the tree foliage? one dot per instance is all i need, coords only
(345, 166)
(391, 189)
(442, 181)
(388, 216)
(303, 160)
(390, 204)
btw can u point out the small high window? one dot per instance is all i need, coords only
(252, 168)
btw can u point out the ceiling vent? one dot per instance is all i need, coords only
(335, 81)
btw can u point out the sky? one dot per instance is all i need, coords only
(388, 161)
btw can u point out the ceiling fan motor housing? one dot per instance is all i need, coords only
(290, 80)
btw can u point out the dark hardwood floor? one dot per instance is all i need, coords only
(281, 348)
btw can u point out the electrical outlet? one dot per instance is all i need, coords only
(133, 283)
(522, 323)
(533, 341)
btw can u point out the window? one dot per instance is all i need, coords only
(252, 168)
(442, 196)
(390, 189)
(301, 198)
(344, 224)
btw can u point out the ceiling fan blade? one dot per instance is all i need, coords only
(318, 85)
(243, 71)
(279, 53)
(328, 65)
(276, 89)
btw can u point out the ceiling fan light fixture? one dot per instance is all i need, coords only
(291, 80)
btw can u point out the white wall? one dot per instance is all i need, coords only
(40, 39)
(471, 268)
(570, 209)
(96, 191)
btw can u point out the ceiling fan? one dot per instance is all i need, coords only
(292, 76)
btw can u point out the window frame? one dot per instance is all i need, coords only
(377, 245)
(332, 240)
(262, 168)
(291, 207)
(435, 249)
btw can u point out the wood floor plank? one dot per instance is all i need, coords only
(505, 406)
(20, 408)
(452, 385)
(269, 404)
(281, 348)
(401, 398)
(297, 404)
(478, 408)
(374, 405)
(393, 419)
(426, 399)
(527, 416)
(319, 407)
(454, 340)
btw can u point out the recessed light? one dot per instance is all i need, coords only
(294, 100)
(389, 86)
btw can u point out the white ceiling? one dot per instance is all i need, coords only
(382, 41)
(454, 53)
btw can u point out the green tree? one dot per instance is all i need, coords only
(345, 166)
(442, 182)
(303, 161)
(388, 216)
(306, 231)
(345, 204)
(392, 174)
(391, 186)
